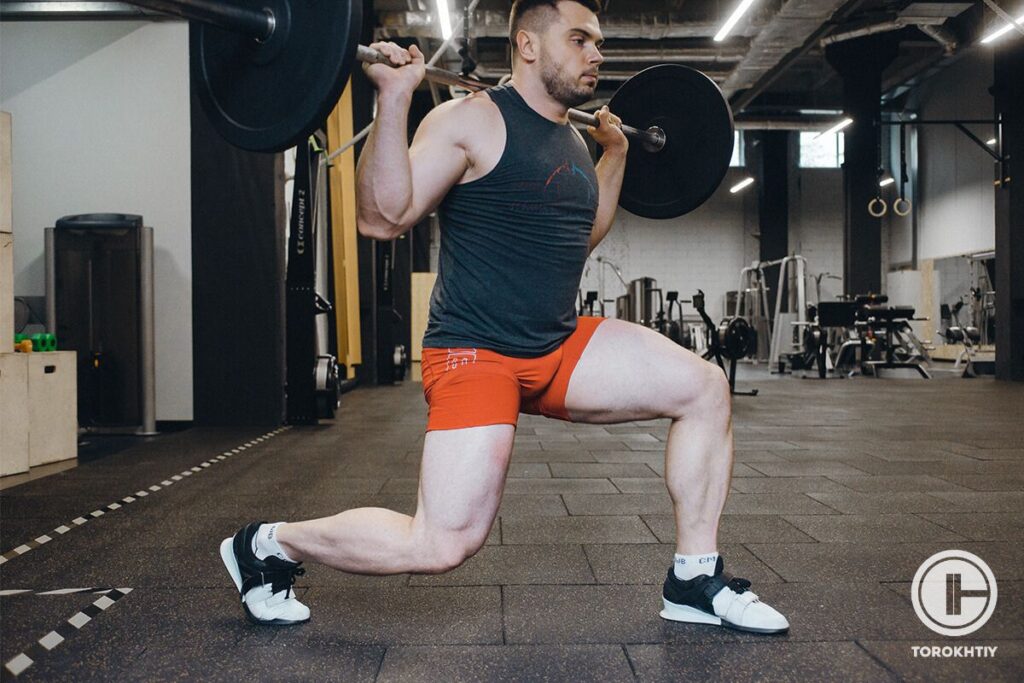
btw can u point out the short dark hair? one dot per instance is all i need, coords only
(522, 11)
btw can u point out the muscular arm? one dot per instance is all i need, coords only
(397, 184)
(610, 171)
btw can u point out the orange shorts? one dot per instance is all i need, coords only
(477, 387)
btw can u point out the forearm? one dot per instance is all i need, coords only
(384, 174)
(610, 172)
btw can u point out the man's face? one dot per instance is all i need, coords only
(569, 56)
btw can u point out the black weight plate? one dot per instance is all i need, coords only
(698, 127)
(267, 97)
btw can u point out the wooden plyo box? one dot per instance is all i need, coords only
(53, 407)
(13, 413)
(422, 286)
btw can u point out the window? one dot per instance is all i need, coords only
(821, 151)
(738, 157)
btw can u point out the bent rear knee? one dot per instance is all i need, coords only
(446, 551)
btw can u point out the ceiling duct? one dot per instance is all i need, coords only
(788, 30)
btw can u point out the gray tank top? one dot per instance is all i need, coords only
(514, 242)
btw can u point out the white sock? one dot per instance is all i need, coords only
(691, 566)
(265, 543)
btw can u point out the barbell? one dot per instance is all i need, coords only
(267, 76)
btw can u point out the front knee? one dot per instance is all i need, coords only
(709, 397)
(717, 390)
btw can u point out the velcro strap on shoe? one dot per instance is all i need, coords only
(279, 580)
(710, 589)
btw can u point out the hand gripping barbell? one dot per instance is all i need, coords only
(269, 75)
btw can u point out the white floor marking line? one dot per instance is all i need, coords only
(79, 620)
(58, 591)
(17, 665)
(95, 514)
(51, 640)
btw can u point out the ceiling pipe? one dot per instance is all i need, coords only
(809, 124)
(871, 30)
(940, 35)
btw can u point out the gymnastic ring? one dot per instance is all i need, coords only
(877, 213)
(901, 209)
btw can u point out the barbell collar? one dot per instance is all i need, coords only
(256, 23)
(653, 139)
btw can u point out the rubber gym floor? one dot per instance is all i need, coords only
(841, 490)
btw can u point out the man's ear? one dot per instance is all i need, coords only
(527, 44)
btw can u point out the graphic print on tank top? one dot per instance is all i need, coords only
(564, 181)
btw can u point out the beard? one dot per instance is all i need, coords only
(562, 87)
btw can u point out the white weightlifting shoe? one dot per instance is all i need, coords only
(719, 600)
(265, 585)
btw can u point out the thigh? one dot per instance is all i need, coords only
(462, 477)
(630, 372)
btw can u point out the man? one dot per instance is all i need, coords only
(521, 205)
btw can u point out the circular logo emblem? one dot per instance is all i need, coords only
(954, 593)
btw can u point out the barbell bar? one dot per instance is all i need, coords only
(653, 138)
(269, 75)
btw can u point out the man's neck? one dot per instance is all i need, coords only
(536, 96)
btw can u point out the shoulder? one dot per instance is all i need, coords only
(465, 118)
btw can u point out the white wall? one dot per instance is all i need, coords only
(101, 124)
(707, 248)
(957, 199)
(702, 250)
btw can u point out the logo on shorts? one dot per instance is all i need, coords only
(954, 593)
(459, 357)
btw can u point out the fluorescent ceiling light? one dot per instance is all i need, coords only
(990, 141)
(835, 129)
(444, 19)
(1006, 29)
(741, 184)
(887, 181)
(733, 18)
